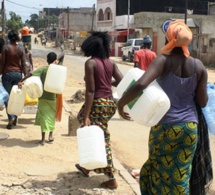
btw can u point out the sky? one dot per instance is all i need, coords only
(25, 8)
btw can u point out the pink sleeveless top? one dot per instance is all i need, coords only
(103, 76)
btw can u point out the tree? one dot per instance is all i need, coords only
(42, 23)
(15, 22)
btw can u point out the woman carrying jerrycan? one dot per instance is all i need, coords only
(173, 141)
(46, 113)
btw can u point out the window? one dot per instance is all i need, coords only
(108, 14)
(100, 15)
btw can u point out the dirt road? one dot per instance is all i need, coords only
(26, 165)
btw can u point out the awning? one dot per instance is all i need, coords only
(121, 33)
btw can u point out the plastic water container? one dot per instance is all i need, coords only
(30, 109)
(150, 105)
(16, 101)
(3, 96)
(34, 87)
(91, 147)
(55, 78)
(209, 109)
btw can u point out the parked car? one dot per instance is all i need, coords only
(130, 47)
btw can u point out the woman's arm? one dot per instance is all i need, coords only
(90, 88)
(3, 60)
(23, 62)
(31, 60)
(201, 89)
(20, 83)
(117, 75)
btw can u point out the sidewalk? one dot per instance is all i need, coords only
(28, 168)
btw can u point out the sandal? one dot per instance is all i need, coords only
(111, 184)
(50, 141)
(41, 143)
(135, 173)
(82, 170)
(10, 124)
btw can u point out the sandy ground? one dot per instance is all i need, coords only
(28, 168)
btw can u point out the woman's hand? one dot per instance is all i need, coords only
(87, 122)
(122, 113)
(20, 85)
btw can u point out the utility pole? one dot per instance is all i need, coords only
(128, 20)
(68, 21)
(3, 19)
(93, 17)
(186, 6)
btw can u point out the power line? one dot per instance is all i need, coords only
(22, 5)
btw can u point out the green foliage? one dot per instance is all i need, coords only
(15, 22)
(39, 23)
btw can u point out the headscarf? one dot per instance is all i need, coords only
(178, 35)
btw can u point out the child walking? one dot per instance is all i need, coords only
(46, 113)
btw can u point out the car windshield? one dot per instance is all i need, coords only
(138, 42)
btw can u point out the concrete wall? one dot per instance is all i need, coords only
(79, 20)
(203, 42)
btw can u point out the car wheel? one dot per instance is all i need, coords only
(130, 57)
(123, 58)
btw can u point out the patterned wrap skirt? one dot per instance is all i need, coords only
(171, 151)
(46, 113)
(102, 111)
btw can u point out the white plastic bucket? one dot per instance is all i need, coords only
(55, 78)
(91, 147)
(3, 95)
(34, 87)
(151, 104)
(16, 101)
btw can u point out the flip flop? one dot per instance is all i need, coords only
(106, 184)
(135, 173)
(50, 141)
(82, 170)
(40, 143)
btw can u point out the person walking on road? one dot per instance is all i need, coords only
(172, 142)
(142, 60)
(99, 106)
(144, 56)
(12, 67)
(46, 113)
(35, 40)
(29, 60)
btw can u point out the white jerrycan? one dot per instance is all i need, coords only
(150, 105)
(16, 101)
(91, 147)
(55, 78)
(34, 87)
(3, 95)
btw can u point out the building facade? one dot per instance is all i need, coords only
(152, 23)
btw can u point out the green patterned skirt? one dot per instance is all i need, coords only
(171, 151)
(101, 112)
(46, 114)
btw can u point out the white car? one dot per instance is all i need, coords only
(130, 47)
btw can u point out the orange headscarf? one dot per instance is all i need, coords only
(178, 35)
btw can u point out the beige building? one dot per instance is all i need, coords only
(152, 23)
(203, 43)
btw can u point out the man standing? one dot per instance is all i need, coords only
(144, 56)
